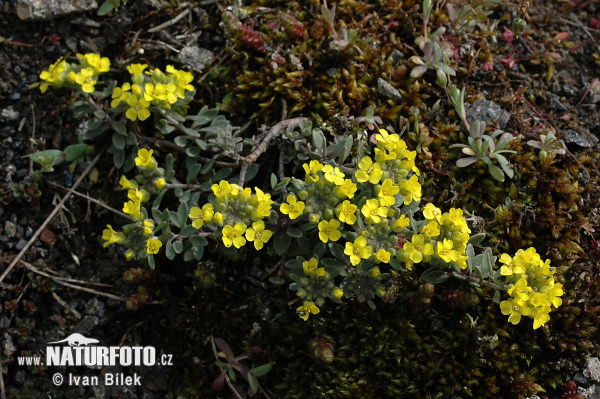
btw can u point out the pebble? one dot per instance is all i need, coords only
(87, 324)
(95, 307)
(592, 367)
(21, 244)
(195, 57)
(10, 229)
(396, 56)
(583, 139)
(36, 10)
(8, 346)
(9, 114)
(578, 377)
(487, 111)
(19, 377)
(387, 90)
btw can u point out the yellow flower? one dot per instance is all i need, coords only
(130, 253)
(383, 256)
(85, 78)
(218, 218)
(199, 216)
(221, 189)
(329, 230)
(306, 310)
(133, 209)
(148, 227)
(411, 189)
(373, 212)
(144, 159)
(432, 229)
(160, 183)
(431, 212)
(337, 293)
(445, 251)
(127, 184)
(333, 175)
(417, 248)
(234, 235)
(384, 138)
(310, 268)
(258, 234)
(153, 245)
(515, 308)
(312, 168)
(346, 212)
(112, 237)
(386, 193)
(292, 207)
(54, 76)
(358, 250)
(346, 189)
(138, 108)
(120, 94)
(400, 224)
(368, 171)
(374, 272)
(136, 195)
(96, 62)
(136, 69)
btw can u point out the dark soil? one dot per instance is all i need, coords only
(183, 313)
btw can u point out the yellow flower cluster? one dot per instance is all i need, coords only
(313, 287)
(532, 287)
(239, 211)
(138, 236)
(152, 87)
(84, 75)
(444, 236)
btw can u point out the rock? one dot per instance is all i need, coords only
(396, 56)
(19, 377)
(9, 114)
(8, 346)
(10, 229)
(94, 307)
(578, 377)
(195, 57)
(87, 324)
(592, 368)
(21, 244)
(387, 90)
(487, 111)
(35, 10)
(583, 139)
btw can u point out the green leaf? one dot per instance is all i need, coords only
(434, 275)
(395, 264)
(169, 164)
(105, 8)
(118, 141)
(181, 141)
(251, 172)
(207, 167)
(273, 180)
(75, 151)
(261, 370)
(319, 249)
(119, 158)
(120, 128)
(371, 304)
(198, 241)
(56, 154)
(191, 132)
(187, 231)
(281, 242)
(253, 385)
(319, 139)
(182, 214)
(222, 174)
(496, 297)
(496, 172)
(293, 232)
(178, 246)
(151, 264)
(294, 263)
(476, 239)
(169, 251)
(193, 172)
(338, 251)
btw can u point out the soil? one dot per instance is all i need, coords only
(36, 309)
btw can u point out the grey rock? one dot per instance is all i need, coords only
(578, 377)
(487, 111)
(87, 324)
(21, 244)
(10, 229)
(387, 90)
(19, 377)
(582, 139)
(8, 346)
(9, 114)
(396, 56)
(35, 10)
(95, 307)
(592, 366)
(195, 57)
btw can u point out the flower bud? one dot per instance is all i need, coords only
(303, 195)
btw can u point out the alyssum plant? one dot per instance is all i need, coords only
(354, 224)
